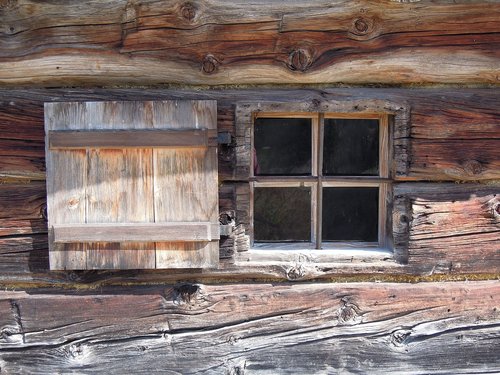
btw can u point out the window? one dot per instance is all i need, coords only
(319, 180)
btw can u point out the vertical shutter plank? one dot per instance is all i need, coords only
(66, 182)
(185, 184)
(184, 192)
(120, 190)
(120, 186)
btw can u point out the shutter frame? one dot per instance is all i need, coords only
(167, 160)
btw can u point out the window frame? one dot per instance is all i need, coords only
(399, 119)
(316, 182)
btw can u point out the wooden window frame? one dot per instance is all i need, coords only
(316, 182)
(395, 131)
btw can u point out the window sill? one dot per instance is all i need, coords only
(293, 253)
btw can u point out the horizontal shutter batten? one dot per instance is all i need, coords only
(131, 138)
(136, 232)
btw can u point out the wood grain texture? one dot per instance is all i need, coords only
(441, 122)
(441, 230)
(22, 209)
(457, 226)
(186, 180)
(23, 256)
(127, 139)
(139, 185)
(66, 188)
(260, 328)
(212, 42)
(136, 232)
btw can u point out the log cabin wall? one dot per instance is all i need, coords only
(439, 60)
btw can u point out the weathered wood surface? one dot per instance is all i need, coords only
(439, 118)
(214, 42)
(442, 122)
(444, 230)
(256, 328)
(22, 209)
(128, 139)
(449, 227)
(109, 185)
(136, 232)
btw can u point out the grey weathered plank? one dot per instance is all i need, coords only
(139, 185)
(449, 227)
(66, 187)
(255, 328)
(136, 232)
(185, 184)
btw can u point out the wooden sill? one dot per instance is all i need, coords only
(305, 253)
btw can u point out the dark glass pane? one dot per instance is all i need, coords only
(282, 146)
(350, 214)
(351, 147)
(282, 214)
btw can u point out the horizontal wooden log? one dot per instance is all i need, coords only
(258, 328)
(131, 138)
(210, 42)
(136, 232)
(444, 230)
(442, 122)
(450, 227)
(23, 256)
(22, 209)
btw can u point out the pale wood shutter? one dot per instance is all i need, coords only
(132, 185)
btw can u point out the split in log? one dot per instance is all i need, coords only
(261, 328)
(213, 42)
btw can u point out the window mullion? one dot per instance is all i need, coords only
(319, 186)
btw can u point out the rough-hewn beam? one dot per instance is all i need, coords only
(442, 122)
(259, 328)
(214, 42)
(449, 227)
(440, 229)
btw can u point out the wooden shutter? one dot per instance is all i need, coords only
(132, 185)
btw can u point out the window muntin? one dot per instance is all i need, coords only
(349, 171)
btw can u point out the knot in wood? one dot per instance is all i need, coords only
(496, 210)
(295, 272)
(472, 167)
(7, 4)
(75, 350)
(348, 313)
(188, 11)
(399, 337)
(361, 25)
(73, 276)
(185, 293)
(300, 60)
(210, 64)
